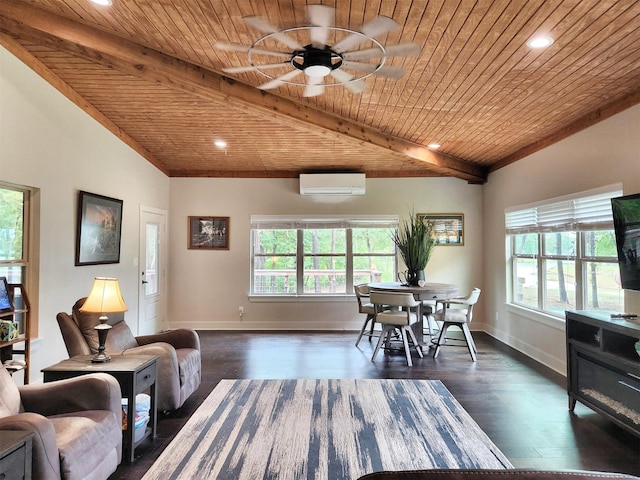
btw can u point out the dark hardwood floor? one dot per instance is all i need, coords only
(519, 403)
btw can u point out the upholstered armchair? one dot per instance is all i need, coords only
(76, 424)
(179, 365)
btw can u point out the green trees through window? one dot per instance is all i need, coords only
(321, 258)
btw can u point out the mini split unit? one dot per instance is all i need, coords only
(332, 183)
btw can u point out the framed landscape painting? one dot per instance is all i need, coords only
(208, 233)
(448, 228)
(98, 230)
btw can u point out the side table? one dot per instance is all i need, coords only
(135, 374)
(15, 454)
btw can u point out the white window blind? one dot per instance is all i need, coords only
(271, 222)
(580, 212)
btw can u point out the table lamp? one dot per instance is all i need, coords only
(105, 297)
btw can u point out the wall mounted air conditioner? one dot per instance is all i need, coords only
(332, 183)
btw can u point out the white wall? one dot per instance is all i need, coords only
(604, 154)
(48, 143)
(207, 287)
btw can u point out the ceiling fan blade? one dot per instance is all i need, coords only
(356, 86)
(261, 24)
(321, 17)
(375, 27)
(276, 82)
(400, 50)
(232, 47)
(383, 71)
(314, 87)
(251, 68)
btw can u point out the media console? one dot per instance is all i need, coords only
(603, 368)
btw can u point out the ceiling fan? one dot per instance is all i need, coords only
(326, 54)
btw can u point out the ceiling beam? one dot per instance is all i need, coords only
(24, 21)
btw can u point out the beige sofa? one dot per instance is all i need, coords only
(76, 424)
(179, 364)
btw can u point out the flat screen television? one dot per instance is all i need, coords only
(626, 222)
(5, 299)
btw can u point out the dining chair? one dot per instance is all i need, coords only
(457, 312)
(366, 308)
(396, 311)
(429, 308)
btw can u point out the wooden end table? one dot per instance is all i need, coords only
(15, 454)
(135, 374)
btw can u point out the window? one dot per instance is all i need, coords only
(14, 241)
(295, 256)
(563, 254)
(14, 203)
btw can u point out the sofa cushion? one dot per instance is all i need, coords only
(86, 440)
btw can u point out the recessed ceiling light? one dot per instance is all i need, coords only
(434, 146)
(103, 3)
(541, 41)
(220, 143)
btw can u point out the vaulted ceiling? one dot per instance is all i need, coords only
(150, 71)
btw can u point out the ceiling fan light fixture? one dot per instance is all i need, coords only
(102, 3)
(317, 70)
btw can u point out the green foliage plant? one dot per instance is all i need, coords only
(415, 242)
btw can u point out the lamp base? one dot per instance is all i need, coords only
(103, 329)
(101, 358)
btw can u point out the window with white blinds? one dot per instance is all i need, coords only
(563, 254)
(320, 255)
(581, 212)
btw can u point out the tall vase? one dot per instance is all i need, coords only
(414, 276)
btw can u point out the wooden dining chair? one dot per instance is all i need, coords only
(396, 311)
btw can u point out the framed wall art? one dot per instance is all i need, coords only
(448, 228)
(98, 229)
(208, 233)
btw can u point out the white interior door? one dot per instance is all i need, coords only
(152, 292)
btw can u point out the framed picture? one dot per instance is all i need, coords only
(209, 233)
(98, 230)
(448, 228)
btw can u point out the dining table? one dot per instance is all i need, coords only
(430, 291)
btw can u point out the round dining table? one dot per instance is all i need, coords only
(429, 291)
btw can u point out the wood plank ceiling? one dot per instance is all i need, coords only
(149, 71)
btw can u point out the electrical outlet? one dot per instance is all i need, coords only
(241, 311)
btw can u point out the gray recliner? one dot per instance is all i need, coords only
(76, 424)
(179, 364)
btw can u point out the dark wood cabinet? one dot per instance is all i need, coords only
(603, 368)
(15, 455)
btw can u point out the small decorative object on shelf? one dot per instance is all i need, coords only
(8, 330)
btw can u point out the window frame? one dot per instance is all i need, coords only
(27, 265)
(527, 220)
(305, 223)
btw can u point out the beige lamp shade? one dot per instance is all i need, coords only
(105, 297)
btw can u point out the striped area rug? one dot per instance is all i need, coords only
(324, 429)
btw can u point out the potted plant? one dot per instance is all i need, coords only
(415, 242)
